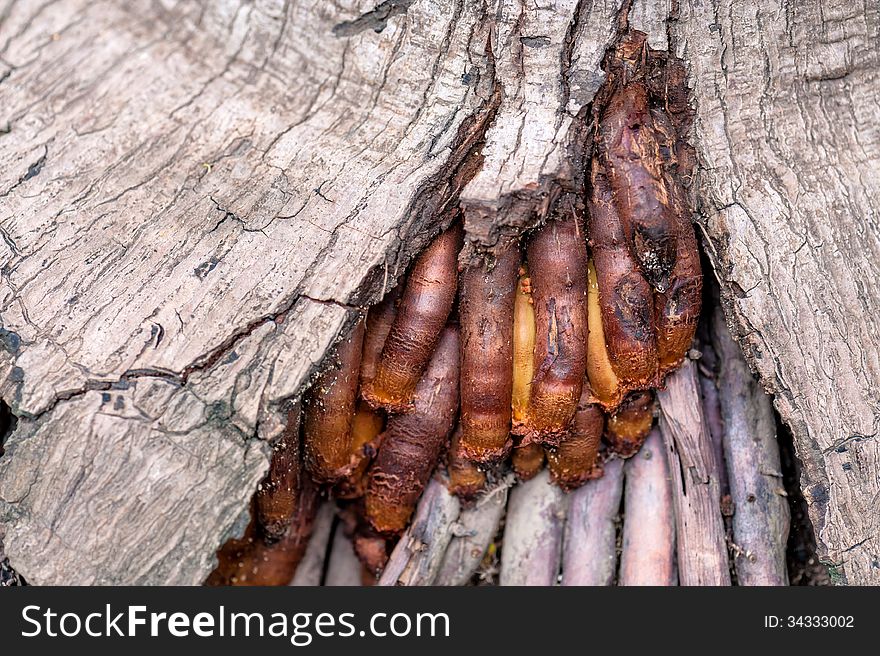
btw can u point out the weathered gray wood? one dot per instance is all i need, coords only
(648, 554)
(699, 527)
(761, 516)
(589, 555)
(194, 195)
(786, 96)
(531, 549)
(417, 557)
(473, 532)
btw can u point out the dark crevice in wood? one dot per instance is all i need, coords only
(375, 19)
(8, 422)
(804, 566)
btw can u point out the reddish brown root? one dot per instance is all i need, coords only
(366, 428)
(558, 274)
(466, 479)
(412, 443)
(628, 428)
(328, 412)
(486, 312)
(380, 318)
(625, 299)
(424, 308)
(276, 498)
(527, 461)
(575, 460)
(253, 560)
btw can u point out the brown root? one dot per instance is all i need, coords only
(412, 443)
(424, 308)
(466, 479)
(328, 412)
(558, 272)
(488, 289)
(575, 460)
(276, 498)
(628, 428)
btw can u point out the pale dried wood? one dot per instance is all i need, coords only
(648, 553)
(311, 567)
(786, 96)
(344, 567)
(589, 555)
(700, 542)
(761, 517)
(417, 557)
(472, 534)
(531, 548)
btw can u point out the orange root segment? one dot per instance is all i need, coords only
(628, 428)
(276, 498)
(629, 150)
(575, 460)
(366, 427)
(380, 318)
(523, 347)
(527, 461)
(557, 258)
(466, 479)
(412, 443)
(254, 560)
(643, 243)
(328, 412)
(488, 290)
(424, 308)
(626, 300)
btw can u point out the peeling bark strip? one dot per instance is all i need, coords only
(532, 542)
(376, 20)
(702, 552)
(589, 556)
(472, 533)
(648, 554)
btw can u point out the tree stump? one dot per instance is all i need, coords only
(197, 198)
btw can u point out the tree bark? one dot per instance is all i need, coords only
(197, 198)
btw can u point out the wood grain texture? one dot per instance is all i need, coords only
(191, 197)
(696, 492)
(194, 195)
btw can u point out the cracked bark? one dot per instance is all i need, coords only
(196, 204)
